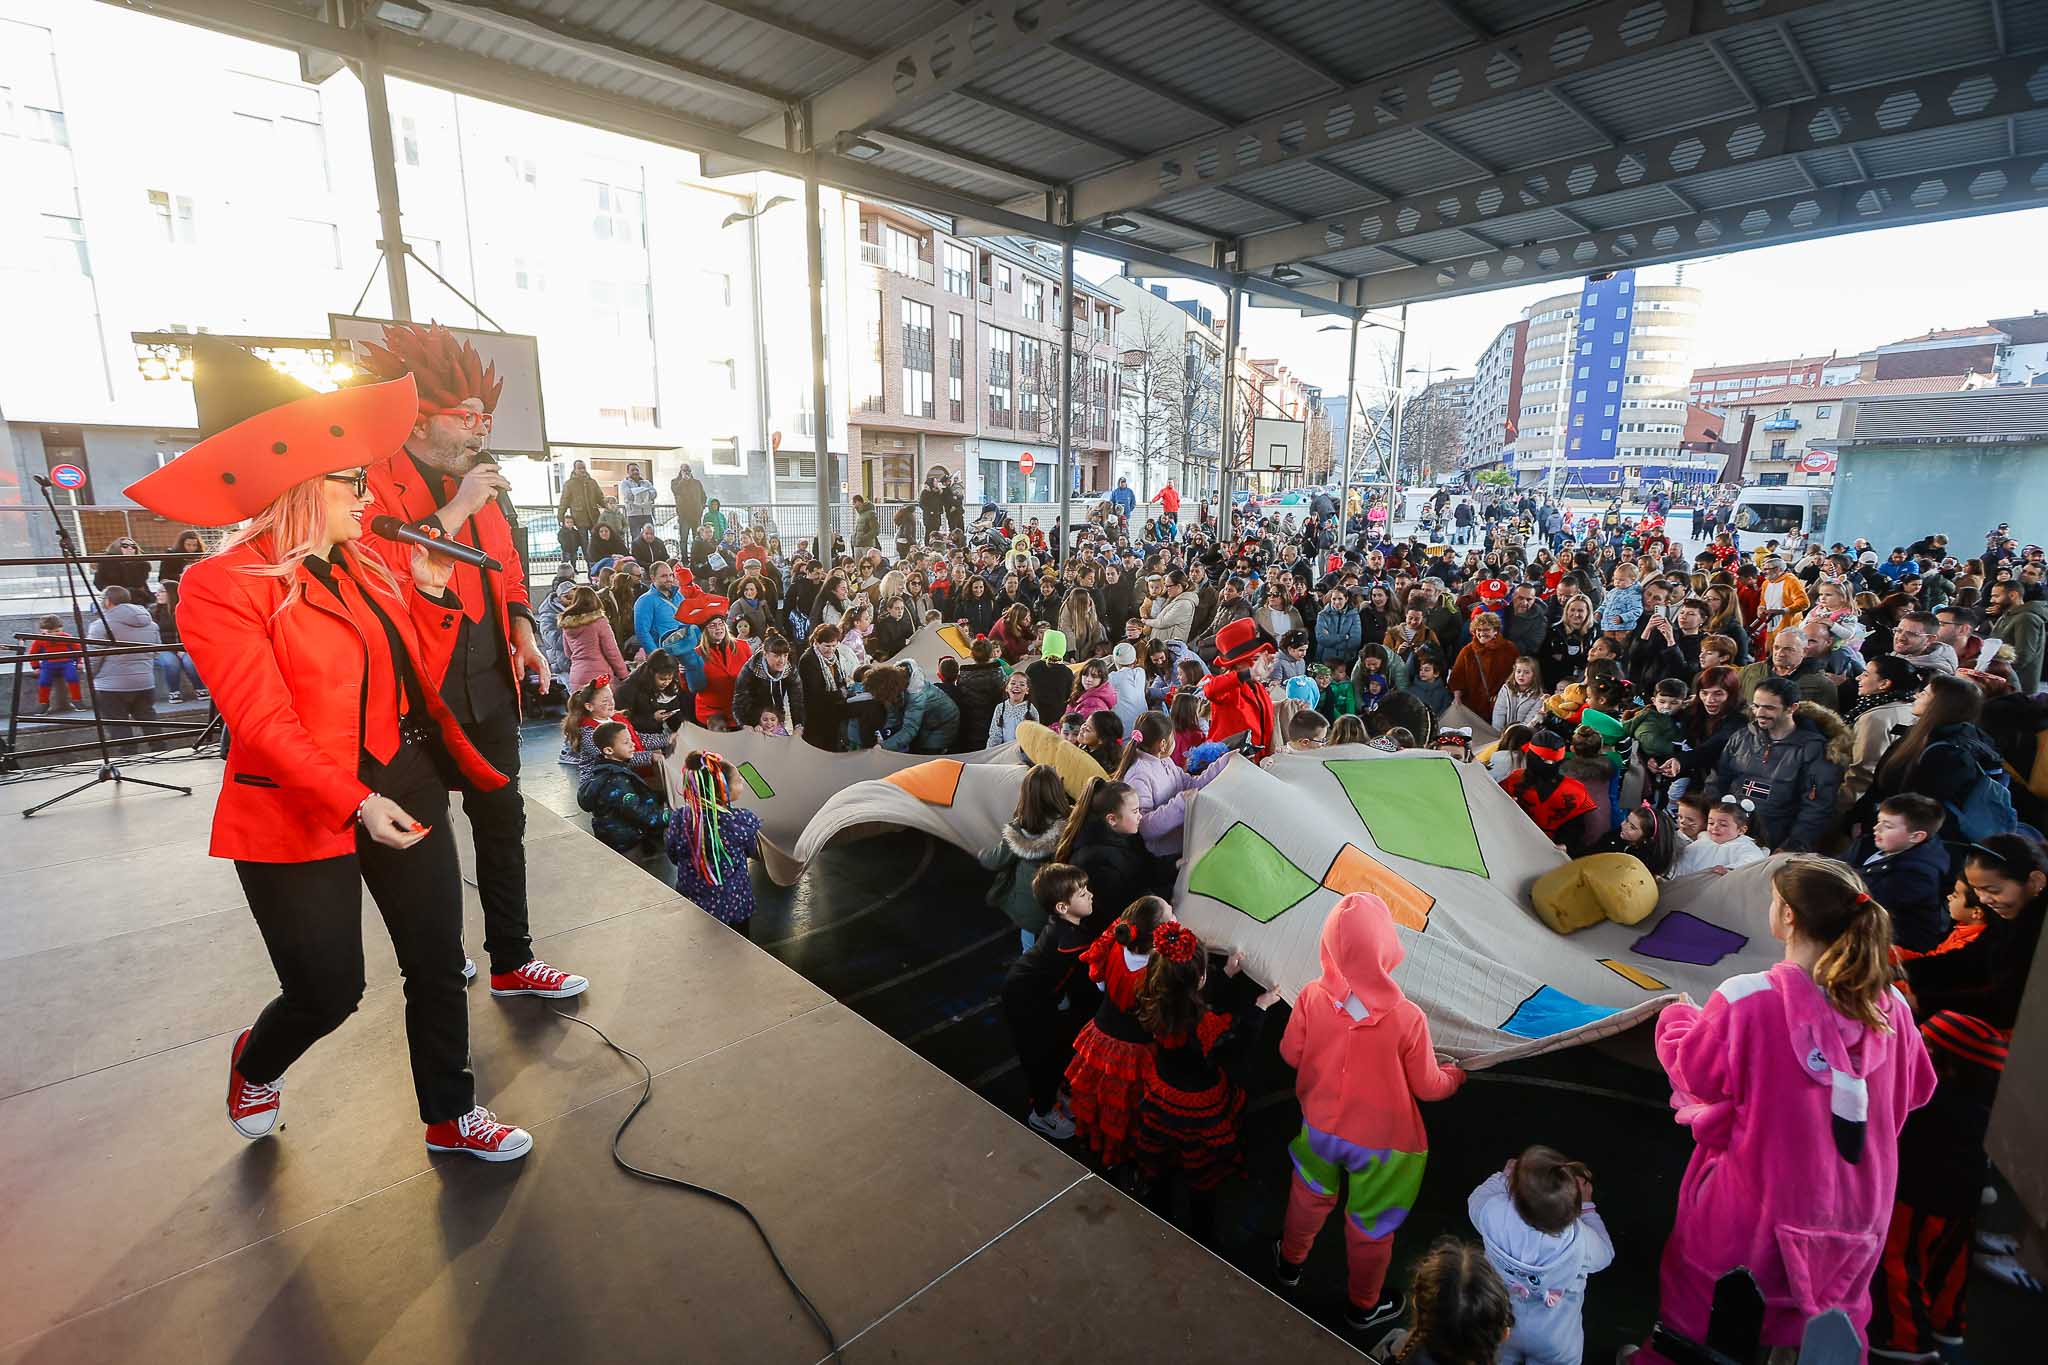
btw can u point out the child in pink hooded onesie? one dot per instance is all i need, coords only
(1795, 1083)
(1364, 1058)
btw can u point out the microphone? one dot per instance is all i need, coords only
(433, 541)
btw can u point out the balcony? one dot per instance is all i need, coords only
(1780, 424)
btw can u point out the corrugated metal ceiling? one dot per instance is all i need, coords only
(1160, 74)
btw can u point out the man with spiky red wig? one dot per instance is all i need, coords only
(444, 474)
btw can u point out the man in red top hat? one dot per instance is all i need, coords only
(444, 474)
(1238, 701)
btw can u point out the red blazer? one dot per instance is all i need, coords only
(397, 489)
(1236, 703)
(305, 691)
(722, 668)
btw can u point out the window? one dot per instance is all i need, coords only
(1585, 370)
(174, 216)
(1098, 399)
(1618, 336)
(1614, 362)
(1621, 312)
(796, 465)
(1030, 371)
(1585, 348)
(724, 375)
(1005, 281)
(901, 251)
(717, 286)
(427, 249)
(619, 216)
(525, 278)
(1626, 286)
(1034, 300)
(723, 452)
(1607, 433)
(1000, 389)
(1607, 411)
(1777, 450)
(409, 139)
(959, 278)
(318, 244)
(917, 358)
(1823, 412)
(45, 125)
(64, 246)
(1613, 385)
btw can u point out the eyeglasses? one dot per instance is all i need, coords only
(465, 418)
(358, 482)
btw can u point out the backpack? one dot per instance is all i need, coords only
(1986, 809)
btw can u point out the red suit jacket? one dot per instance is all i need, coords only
(1237, 703)
(397, 489)
(305, 692)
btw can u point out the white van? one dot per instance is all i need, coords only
(1789, 515)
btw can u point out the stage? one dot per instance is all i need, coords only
(926, 1224)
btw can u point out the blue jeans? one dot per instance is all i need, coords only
(173, 667)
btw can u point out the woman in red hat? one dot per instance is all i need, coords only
(342, 751)
(1239, 703)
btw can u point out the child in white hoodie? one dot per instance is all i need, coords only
(1544, 1236)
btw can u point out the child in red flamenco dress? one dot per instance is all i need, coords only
(1188, 1119)
(1106, 1079)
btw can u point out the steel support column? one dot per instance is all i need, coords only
(1350, 429)
(384, 173)
(1227, 419)
(1066, 424)
(821, 417)
(1394, 453)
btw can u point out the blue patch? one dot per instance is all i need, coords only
(1551, 1011)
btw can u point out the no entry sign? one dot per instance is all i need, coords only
(1025, 464)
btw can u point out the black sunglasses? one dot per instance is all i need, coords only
(358, 482)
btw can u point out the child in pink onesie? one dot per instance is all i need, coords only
(1363, 1055)
(1795, 1083)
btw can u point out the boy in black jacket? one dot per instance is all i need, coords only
(1906, 868)
(1047, 996)
(625, 813)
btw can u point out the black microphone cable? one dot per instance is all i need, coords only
(657, 1177)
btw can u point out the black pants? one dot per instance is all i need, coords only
(119, 706)
(311, 916)
(497, 820)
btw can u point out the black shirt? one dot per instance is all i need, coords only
(477, 682)
(370, 770)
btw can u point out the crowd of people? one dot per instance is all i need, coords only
(1879, 716)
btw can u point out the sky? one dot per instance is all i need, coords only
(1840, 294)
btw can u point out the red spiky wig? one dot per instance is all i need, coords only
(447, 371)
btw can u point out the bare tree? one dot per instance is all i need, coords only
(1319, 464)
(1155, 379)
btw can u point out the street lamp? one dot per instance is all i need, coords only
(761, 404)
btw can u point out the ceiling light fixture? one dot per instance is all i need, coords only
(1286, 274)
(403, 14)
(1118, 224)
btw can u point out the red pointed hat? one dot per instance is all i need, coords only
(264, 432)
(697, 608)
(1239, 643)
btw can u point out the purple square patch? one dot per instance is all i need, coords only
(1681, 937)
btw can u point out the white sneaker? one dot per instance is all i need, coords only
(469, 969)
(1055, 1125)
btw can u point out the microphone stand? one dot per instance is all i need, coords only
(74, 577)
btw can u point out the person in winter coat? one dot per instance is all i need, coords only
(1051, 681)
(580, 507)
(123, 685)
(1339, 631)
(982, 684)
(1520, 699)
(1238, 701)
(587, 639)
(1025, 845)
(1881, 713)
(689, 495)
(1127, 680)
(1362, 1055)
(1542, 1233)
(124, 568)
(652, 697)
(1482, 667)
(625, 813)
(917, 715)
(1795, 1083)
(1944, 755)
(1163, 786)
(1101, 838)
(769, 682)
(892, 631)
(975, 607)
(1093, 690)
(547, 615)
(1012, 712)
(2023, 624)
(867, 527)
(1788, 762)
(721, 658)
(749, 606)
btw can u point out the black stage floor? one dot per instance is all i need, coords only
(927, 1224)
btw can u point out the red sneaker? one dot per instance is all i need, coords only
(252, 1108)
(480, 1135)
(538, 978)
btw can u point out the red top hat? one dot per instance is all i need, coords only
(1239, 643)
(265, 432)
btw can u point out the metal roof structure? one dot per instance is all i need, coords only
(1336, 154)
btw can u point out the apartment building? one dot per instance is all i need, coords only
(956, 363)
(1797, 436)
(1717, 386)
(1493, 412)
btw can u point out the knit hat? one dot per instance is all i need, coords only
(1053, 645)
(1123, 656)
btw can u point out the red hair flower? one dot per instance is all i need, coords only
(1176, 942)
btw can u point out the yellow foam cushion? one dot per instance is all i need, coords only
(1600, 886)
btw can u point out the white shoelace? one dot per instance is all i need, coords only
(254, 1094)
(543, 973)
(480, 1124)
